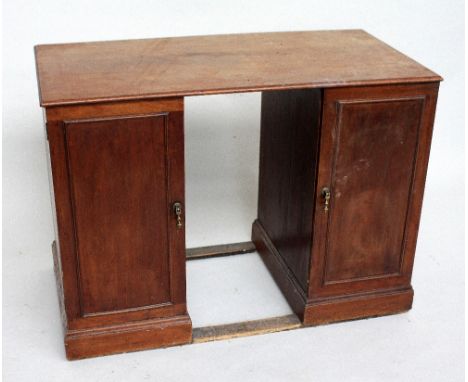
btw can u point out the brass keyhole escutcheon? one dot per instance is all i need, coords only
(326, 196)
(177, 207)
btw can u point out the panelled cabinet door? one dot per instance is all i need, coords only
(373, 155)
(125, 174)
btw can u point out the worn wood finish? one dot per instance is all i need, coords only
(374, 148)
(59, 284)
(290, 126)
(113, 109)
(132, 336)
(340, 109)
(382, 194)
(246, 328)
(144, 69)
(220, 250)
(119, 257)
(372, 166)
(358, 306)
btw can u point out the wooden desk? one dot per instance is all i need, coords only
(346, 125)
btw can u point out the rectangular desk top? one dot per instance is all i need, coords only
(184, 66)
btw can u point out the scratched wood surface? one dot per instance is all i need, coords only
(246, 328)
(165, 67)
(220, 250)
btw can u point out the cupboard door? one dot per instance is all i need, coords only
(125, 174)
(373, 158)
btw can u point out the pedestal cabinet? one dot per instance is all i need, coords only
(346, 125)
(341, 182)
(118, 172)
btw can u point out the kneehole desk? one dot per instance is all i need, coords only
(346, 126)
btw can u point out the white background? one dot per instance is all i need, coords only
(222, 134)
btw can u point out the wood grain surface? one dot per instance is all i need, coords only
(374, 149)
(153, 68)
(220, 250)
(246, 328)
(120, 219)
(289, 140)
